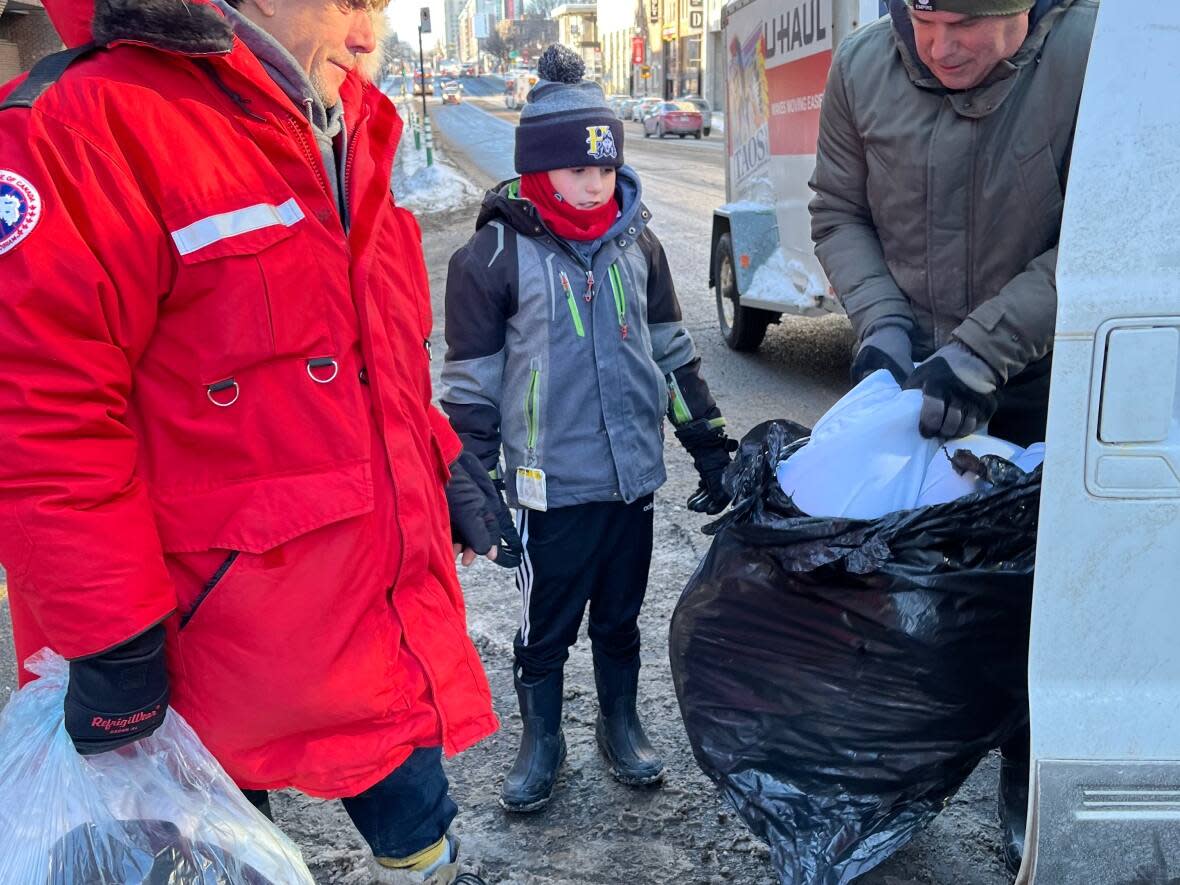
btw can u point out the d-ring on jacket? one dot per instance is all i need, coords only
(215, 405)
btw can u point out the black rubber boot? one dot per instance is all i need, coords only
(529, 785)
(621, 739)
(1013, 799)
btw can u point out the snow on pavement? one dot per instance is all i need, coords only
(421, 188)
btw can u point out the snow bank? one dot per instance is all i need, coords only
(778, 278)
(425, 189)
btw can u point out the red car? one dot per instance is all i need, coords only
(673, 118)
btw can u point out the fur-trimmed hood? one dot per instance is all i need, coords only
(190, 27)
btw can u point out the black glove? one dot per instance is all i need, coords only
(479, 517)
(117, 697)
(959, 392)
(889, 348)
(711, 452)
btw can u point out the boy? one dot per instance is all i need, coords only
(565, 347)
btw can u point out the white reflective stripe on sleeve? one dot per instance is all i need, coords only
(215, 228)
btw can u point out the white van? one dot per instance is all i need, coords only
(1104, 674)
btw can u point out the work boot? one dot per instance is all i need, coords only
(1013, 800)
(529, 785)
(628, 753)
(443, 874)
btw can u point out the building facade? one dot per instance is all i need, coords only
(26, 36)
(577, 28)
(477, 20)
(451, 10)
(528, 37)
(665, 48)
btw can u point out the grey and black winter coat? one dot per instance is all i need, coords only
(568, 355)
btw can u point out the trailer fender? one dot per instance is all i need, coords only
(753, 231)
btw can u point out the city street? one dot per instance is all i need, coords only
(595, 830)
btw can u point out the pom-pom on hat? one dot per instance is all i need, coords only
(565, 122)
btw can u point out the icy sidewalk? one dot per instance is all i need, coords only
(424, 189)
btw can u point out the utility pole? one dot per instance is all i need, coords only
(424, 28)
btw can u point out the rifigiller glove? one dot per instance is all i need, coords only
(711, 451)
(886, 347)
(117, 697)
(479, 517)
(958, 392)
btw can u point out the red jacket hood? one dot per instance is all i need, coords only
(190, 27)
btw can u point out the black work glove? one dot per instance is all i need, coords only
(958, 392)
(887, 347)
(710, 450)
(117, 697)
(479, 517)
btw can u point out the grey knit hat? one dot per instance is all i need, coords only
(565, 122)
(973, 7)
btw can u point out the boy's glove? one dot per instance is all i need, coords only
(959, 392)
(117, 697)
(710, 449)
(479, 517)
(887, 347)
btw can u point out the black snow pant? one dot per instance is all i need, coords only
(597, 553)
(407, 811)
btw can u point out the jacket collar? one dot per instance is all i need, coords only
(185, 27)
(503, 202)
(990, 94)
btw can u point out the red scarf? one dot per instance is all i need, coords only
(566, 221)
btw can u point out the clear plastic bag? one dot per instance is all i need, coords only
(158, 812)
(866, 458)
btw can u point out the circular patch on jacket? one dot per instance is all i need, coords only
(20, 209)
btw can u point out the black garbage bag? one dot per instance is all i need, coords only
(839, 679)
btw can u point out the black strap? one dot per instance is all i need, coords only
(44, 74)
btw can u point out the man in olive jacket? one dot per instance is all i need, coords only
(944, 147)
(943, 153)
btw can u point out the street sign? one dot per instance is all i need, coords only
(424, 25)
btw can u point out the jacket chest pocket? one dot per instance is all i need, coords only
(252, 286)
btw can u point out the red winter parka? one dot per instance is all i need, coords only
(215, 406)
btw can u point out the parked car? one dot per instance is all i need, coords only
(627, 108)
(452, 92)
(645, 107)
(703, 106)
(673, 118)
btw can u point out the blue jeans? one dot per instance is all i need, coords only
(401, 815)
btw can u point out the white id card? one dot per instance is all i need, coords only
(530, 488)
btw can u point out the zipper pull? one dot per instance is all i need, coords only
(623, 329)
(589, 286)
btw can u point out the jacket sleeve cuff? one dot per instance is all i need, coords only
(448, 440)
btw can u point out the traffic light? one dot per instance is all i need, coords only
(424, 24)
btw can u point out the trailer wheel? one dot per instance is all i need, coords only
(743, 328)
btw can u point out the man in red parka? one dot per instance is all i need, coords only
(223, 485)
